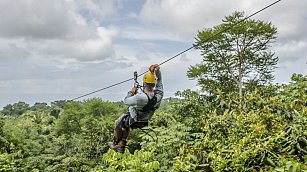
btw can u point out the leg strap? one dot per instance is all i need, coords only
(125, 121)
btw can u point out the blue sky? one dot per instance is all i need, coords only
(61, 49)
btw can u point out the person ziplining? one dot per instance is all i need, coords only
(142, 104)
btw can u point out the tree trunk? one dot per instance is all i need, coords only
(240, 83)
(240, 92)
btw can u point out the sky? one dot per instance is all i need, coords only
(61, 49)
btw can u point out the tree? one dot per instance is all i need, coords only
(58, 103)
(20, 108)
(7, 110)
(40, 107)
(15, 109)
(57, 107)
(235, 53)
(2, 140)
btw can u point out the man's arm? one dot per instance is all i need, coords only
(130, 99)
(159, 88)
(138, 100)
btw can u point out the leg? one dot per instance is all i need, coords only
(120, 147)
(121, 133)
(118, 132)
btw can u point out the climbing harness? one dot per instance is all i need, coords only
(151, 101)
(140, 124)
(150, 106)
(126, 123)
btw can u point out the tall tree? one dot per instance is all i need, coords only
(7, 110)
(2, 140)
(40, 107)
(235, 53)
(16, 109)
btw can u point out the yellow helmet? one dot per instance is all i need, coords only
(149, 78)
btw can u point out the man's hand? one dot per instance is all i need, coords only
(154, 68)
(134, 90)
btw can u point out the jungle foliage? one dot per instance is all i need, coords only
(194, 133)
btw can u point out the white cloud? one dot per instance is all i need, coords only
(9, 51)
(56, 29)
(286, 68)
(291, 50)
(186, 17)
(149, 34)
(288, 16)
(98, 9)
(4, 84)
(35, 19)
(90, 49)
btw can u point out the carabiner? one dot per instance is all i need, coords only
(135, 77)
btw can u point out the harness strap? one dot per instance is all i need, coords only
(150, 103)
(125, 121)
(134, 122)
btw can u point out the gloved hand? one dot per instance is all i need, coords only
(154, 68)
(134, 90)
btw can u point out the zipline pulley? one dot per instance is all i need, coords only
(135, 77)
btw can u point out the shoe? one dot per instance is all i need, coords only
(120, 147)
(111, 145)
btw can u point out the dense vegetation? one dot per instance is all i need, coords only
(196, 132)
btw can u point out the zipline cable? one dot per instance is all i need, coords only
(182, 52)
